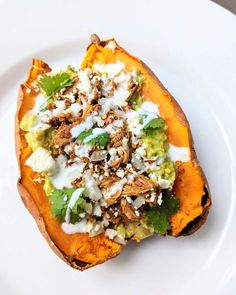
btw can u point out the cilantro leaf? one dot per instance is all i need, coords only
(76, 210)
(101, 139)
(84, 134)
(60, 199)
(51, 84)
(156, 123)
(159, 216)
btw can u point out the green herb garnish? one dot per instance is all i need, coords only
(101, 139)
(159, 216)
(51, 84)
(60, 199)
(84, 134)
(156, 123)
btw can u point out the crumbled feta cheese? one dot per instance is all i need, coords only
(120, 240)
(110, 233)
(138, 202)
(67, 149)
(140, 152)
(95, 175)
(105, 221)
(84, 84)
(120, 173)
(150, 107)
(125, 141)
(133, 120)
(99, 121)
(97, 210)
(41, 161)
(160, 200)
(112, 151)
(116, 213)
(82, 150)
(129, 200)
(118, 123)
(110, 69)
(164, 183)
(153, 197)
(75, 108)
(181, 154)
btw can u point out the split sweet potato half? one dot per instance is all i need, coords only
(79, 250)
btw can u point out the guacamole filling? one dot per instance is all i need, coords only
(102, 153)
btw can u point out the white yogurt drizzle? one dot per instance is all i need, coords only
(95, 133)
(87, 124)
(74, 198)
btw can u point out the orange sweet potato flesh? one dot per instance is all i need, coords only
(80, 250)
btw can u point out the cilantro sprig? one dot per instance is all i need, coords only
(60, 199)
(159, 216)
(156, 123)
(51, 84)
(84, 134)
(101, 139)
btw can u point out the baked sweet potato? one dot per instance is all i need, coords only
(80, 250)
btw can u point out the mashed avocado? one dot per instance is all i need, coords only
(155, 142)
(48, 186)
(165, 171)
(40, 138)
(27, 122)
(137, 230)
(37, 138)
(136, 100)
(156, 146)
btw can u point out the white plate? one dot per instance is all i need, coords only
(191, 46)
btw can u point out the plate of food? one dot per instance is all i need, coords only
(128, 175)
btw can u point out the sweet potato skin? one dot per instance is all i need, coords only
(101, 247)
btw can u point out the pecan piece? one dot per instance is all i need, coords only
(128, 211)
(113, 214)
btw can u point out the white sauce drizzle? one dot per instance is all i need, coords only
(74, 198)
(95, 133)
(78, 227)
(40, 100)
(87, 124)
(66, 175)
